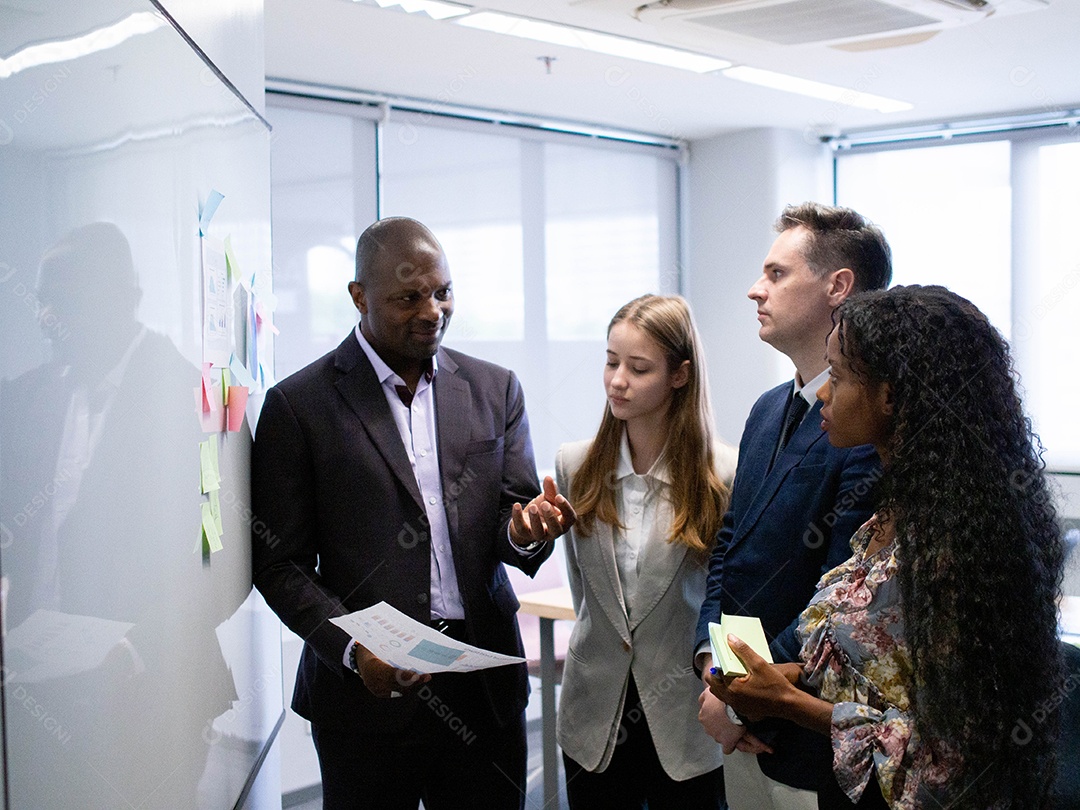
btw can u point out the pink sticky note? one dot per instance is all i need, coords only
(207, 388)
(262, 318)
(211, 420)
(238, 397)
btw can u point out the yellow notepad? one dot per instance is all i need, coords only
(746, 628)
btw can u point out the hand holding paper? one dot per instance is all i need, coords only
(384, 680)
(407, 645)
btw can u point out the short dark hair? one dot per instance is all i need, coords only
(841, 237)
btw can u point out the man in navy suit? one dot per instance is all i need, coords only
(797, 500)
(395, 470)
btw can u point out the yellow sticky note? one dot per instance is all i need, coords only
(748, 630)
(213, 538)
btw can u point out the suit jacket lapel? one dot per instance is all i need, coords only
(452, 401)
(364, 394)
(656, 572)
(596, 555)
(807, 434)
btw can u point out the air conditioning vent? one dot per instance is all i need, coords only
(799, 22)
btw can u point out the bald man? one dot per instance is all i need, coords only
(396, 470)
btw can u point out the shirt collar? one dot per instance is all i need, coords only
(625, 465)
(386, 375)
(809, 390)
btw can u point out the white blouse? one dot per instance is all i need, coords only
(645, 513)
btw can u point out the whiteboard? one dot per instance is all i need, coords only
(139, 669)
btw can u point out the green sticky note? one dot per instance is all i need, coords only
(230, 259)
(747, 629)
(213, 537)
(215, 510)
(208, 468)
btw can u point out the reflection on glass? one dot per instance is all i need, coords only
(136, 671)
(99, 653)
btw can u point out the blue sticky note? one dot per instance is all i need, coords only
(209, 209)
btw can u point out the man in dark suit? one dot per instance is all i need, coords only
(797, 500)
(394, 470)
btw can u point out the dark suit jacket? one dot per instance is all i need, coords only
(786, 527)
(339, 524)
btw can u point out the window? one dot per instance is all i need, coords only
(466, 187)
(547, 234)
(1047, 325)
(992, 220)
(323, 187)
(603, 235)
(946, 212)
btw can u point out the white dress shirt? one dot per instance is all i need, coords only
(416, 424)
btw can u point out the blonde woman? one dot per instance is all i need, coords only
(650, 490)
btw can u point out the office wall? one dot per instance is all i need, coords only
(138, 668)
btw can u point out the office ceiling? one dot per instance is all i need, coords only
(1005, 63)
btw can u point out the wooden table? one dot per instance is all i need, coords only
(549, 605)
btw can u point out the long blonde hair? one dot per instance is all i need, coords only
(698, 496)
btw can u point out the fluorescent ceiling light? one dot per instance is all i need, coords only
(435, 9)
(805, 87)
(47, 53)
(608, 44)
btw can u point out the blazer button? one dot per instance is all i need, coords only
(625, 647)
(422, 598)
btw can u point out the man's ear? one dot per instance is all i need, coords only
(841, 285)
(356, 290)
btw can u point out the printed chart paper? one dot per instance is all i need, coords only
(407, 644)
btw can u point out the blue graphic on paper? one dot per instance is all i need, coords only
(435, 653)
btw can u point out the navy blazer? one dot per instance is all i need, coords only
(339, 523)
(785, 527)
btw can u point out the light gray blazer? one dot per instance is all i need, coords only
(657, 645)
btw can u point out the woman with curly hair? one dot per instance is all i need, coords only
(650, 491)
(929, 655)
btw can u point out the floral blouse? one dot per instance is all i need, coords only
(855, 656)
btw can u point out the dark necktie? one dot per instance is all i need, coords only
(797, 408)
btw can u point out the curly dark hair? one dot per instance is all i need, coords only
(980, 548)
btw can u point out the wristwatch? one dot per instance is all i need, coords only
(352, 658)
